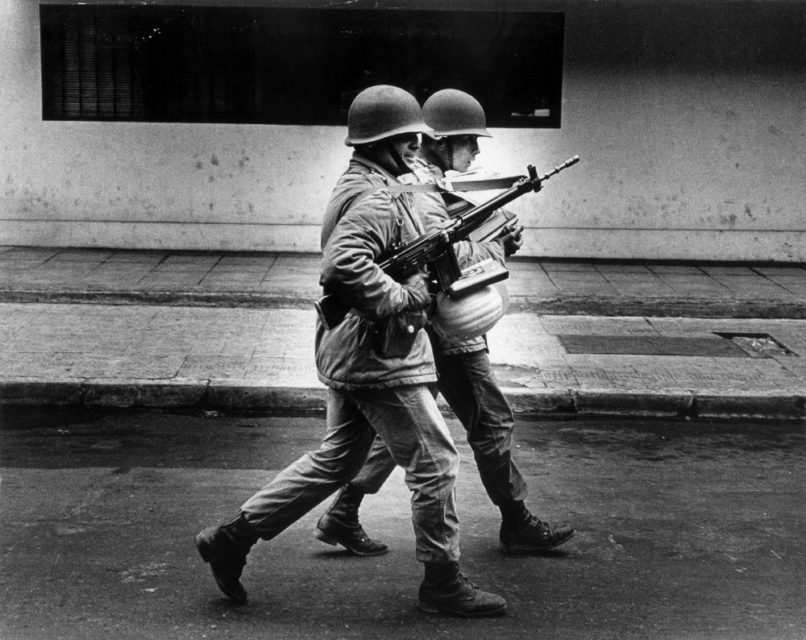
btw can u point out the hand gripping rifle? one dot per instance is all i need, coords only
(433, 251)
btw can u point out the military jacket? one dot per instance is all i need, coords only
(362, 223)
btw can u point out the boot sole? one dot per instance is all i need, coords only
(323, 536)
(525, 550)
(427, 607)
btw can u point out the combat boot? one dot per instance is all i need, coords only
(445, 589)
(226, 548)
(339, 525)
(523, 533)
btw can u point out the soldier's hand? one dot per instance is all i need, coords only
(416, 287)
(512, 241)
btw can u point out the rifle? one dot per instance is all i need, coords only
(433, 251)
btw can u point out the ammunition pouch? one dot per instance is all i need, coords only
(477, 276)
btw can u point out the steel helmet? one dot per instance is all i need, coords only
(451, 112)
(471, 315)
(381, 112)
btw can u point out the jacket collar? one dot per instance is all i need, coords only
(360, 159)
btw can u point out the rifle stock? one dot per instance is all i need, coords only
(434, 250)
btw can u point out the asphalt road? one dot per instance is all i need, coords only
(684, 530)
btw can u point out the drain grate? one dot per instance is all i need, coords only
(759, 345)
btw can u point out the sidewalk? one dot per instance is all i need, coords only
(231, 331)
(31, 274)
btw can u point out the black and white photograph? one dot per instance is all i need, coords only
(402, 319)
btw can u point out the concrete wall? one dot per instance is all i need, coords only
(688, 116)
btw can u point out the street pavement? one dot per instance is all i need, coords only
(684, 531)
(226, 331)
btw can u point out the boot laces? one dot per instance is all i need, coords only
(463, 579)
(534, 522)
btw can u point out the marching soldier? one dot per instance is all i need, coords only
(377, 364)
(466, 378)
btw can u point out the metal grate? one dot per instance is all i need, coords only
(759, 345)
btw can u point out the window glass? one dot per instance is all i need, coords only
(292, 66)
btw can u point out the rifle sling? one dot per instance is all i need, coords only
(411, 188)
(487, 184)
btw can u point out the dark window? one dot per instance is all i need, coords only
(291, 66)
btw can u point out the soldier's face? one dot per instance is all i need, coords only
(406, 146)
(465, 149)
(397, 153)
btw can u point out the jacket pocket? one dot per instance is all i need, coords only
(394, 336)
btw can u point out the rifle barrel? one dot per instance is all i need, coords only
(524, 185)
(521, 187)
(570, 162)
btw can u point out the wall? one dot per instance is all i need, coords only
(688, 117)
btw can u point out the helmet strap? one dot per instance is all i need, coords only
(398, 160)
(386, 156)
(438, 152)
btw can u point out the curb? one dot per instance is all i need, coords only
(666, 307)
(245, 397)
(157, 298)
(566, 305)
(751, 405)
(238, 397)
(607, 402)
(26, 392)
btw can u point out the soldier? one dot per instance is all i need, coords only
(466, 378)
(377, 364)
